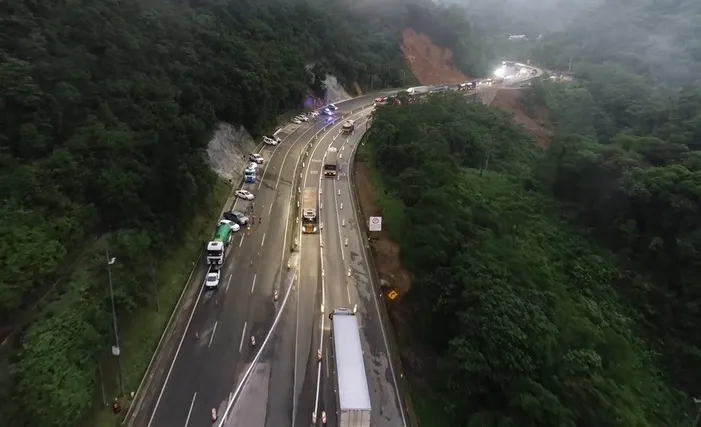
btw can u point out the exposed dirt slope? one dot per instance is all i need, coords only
(431, 64)
(510, 100)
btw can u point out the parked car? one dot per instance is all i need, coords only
(256, 158)
(296, 121)
(234, 226)
(237, 217)
(270, 141)
(212, 280)
(244, 194)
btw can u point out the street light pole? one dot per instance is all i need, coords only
(116, 350)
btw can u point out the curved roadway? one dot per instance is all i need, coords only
(206, 349)
(207, 346)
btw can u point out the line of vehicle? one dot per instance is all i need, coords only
(321, 256)
(235, 394)
(327, 132)
(374, 294)
(187, 326)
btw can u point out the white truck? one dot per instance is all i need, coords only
(352, 396)
(331, 162)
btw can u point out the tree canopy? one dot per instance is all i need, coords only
(534, 321)
(107, 110)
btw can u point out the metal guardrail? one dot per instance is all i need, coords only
(369, 256)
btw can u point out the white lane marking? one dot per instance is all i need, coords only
(270, 211)
(323, 285)
(175, 358)
(279, 176)
(377, 309)
(243, 335)
(323, 282)
(278, 317)
(211, 337)
(243, 236)
(262, 242)
(228, 282)
(187, 420)
(265, 169)
(338, 223)
(253, 285)
(348, 293)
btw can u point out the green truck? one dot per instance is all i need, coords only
(218, 246)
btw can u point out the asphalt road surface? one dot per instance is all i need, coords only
(208, 344)
(349, 282)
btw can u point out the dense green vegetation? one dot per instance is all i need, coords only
(639, 189)
(533, 322)
(108, 107)
(654, 38)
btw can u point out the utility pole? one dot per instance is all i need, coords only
(116, 350)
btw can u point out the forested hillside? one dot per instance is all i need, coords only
(634, 175)
(107, 109)
(659, 39)
(531, 321)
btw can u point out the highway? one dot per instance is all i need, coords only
(348, 281)
(207, 345)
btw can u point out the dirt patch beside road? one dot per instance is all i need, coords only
(431, 64)
(510, 100)
(418, 362)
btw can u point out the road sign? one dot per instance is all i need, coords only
(392, 295)
(375, 223)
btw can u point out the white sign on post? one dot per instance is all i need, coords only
(375, 223)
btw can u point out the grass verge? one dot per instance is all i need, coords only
(140, 335)
(392, 208)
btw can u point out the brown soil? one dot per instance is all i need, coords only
(510, 100)
(431, 64)
(418, 362)
(385, 251)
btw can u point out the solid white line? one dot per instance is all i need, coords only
(228, 282)
(175, 357)
(243, 236)
(254, 282)
(187, 420)
(323, 285)
(262, 242)
(265, 169)
(270, 211)
(348, 293)
(252, 364)
(211, 337)
(338, 221)
(233, 396)
(323, 282)
(243, 335)
(377, 305)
